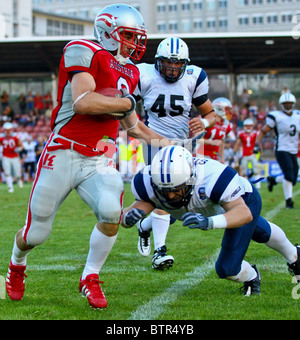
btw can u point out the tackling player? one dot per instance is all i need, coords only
(286, 124)
(206, 194)
(169, 88)
(78, 154)
(11, 160)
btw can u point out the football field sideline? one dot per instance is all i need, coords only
(152, 309)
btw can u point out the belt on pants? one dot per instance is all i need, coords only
(103, 148)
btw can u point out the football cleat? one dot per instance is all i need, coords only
(144, 242)
(253, 286)
(271, 183)
(15, 282)
(294, 268)
(90, 288)
(161, 260)
(289, 204)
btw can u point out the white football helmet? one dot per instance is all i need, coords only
(117, 26)
(221, 105)
(287, 102)
(248, 125)
(174, 50)
(8, 126)
(173, 171)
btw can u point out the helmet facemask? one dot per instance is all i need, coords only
(170, 73)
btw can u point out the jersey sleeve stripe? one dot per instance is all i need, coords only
(222, 183)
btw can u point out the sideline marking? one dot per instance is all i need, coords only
(152, 309)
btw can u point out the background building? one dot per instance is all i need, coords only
(19, 18)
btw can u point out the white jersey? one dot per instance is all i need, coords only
(287, 130)
(167, 105)
(215, 185)
(29, 147)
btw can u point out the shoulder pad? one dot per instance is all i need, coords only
(80, 53)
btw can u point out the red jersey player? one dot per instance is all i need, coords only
(78, 154)
(11, 161)
(247, 140)
(215, 136)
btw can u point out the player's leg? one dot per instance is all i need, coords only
(7, 169)
(231, 264)
(274, 237)
(103, 192)
(51, 186)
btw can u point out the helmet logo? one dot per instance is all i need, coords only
(106, 18)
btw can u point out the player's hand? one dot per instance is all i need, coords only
(196, 125)
(133, 102)
(256, 148)
(133, 216)
(190, 143)
(196, 221)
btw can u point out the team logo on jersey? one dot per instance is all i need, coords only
(190, 71)
(48, 162)
(201, 193)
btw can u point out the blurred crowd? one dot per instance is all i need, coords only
(30, 115)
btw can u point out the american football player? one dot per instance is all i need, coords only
(11, 162)
(286, 124)
(169, 89)
(214, 138)
(79, 152)
(206, 194)
(247, 141)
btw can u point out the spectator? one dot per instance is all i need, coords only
(4, 100)
(22, 104)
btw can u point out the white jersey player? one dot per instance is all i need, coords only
(169, 89)
(286, 124)
(206, 194)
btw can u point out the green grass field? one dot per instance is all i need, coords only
(190, 290)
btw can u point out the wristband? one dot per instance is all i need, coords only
(218, 221)
(205, 122)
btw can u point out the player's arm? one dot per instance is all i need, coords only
(86, 101)
(262, 134)
(236, 215)
(208, 117)
(135, 212)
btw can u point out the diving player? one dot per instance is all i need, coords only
(206, 194)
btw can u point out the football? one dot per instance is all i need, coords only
(112, 92)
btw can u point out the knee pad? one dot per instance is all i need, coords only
(109, 209)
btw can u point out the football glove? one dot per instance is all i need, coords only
(133, 103)
(197, 221)
(133, 216)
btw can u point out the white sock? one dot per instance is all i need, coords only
(19, 257)
(160, 227)
(278, 241)
(147, 223)
(246, 274)
(287, 189)
(100, 247)
(9, 181)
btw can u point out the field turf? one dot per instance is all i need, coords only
(190, 290)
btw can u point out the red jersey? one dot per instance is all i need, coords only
(9, 145)
(218, 131)
(248, 141)
(87, 56)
